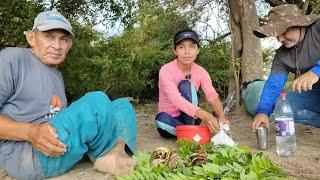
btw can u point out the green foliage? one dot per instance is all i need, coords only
(225, 163)
(110, 12)
(123, 65)
(215, 59)
(83, 67)
(267, 54)
(315, 6)
(133, 64)
(263, 166)
(15, 18)
(186, 147)
(138, 54)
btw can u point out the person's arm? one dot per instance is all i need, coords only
(274, 84)
(13, 130)
(209, 119)
(212, 96)
(43, 137)
(316, 68)
(218, 109)
(270, 92)
(308, 79)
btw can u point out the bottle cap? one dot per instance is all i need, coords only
(283, 95)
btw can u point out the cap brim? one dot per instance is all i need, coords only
(275, 29)
(270, 30)
(259, 34)
(56, 25)
(184, 38)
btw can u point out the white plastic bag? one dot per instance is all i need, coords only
(222, 138)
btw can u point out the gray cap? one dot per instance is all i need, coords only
(48, 20)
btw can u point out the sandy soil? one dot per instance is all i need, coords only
(305, 165)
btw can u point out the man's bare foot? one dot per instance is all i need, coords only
(116, 161)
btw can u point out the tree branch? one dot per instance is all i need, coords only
(218, 39)
(275, 2)
(305, 7)
(297, 2)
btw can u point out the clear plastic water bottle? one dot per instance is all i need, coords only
(286, 139)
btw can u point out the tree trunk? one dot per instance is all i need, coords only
(246, 51)
(252, 61)
(236, 48)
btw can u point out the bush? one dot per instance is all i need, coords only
(215, 59)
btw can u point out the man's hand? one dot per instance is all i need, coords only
(209, 119)
(258, 119)
(305, 81)
(44, 138)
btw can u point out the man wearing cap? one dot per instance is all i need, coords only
(300, 55)
(179, 81)
(39, 136)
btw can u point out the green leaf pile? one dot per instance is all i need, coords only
(225, 163)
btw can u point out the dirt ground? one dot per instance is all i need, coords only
(305, 165)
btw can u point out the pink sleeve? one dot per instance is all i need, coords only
(170, 88)
(206, 85)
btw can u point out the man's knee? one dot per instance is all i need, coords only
(123, 105)
(96, 99)
(123, 102)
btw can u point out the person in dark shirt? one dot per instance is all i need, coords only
(300, 55)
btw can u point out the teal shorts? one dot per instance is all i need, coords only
(90, 126)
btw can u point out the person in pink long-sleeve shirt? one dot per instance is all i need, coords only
(179, 81)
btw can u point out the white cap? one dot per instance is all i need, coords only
(48, 20)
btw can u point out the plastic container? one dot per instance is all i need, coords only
(285, 138)
(201, 134)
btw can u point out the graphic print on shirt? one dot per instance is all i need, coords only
(55, 107)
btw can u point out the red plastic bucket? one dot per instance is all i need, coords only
(200, 134)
